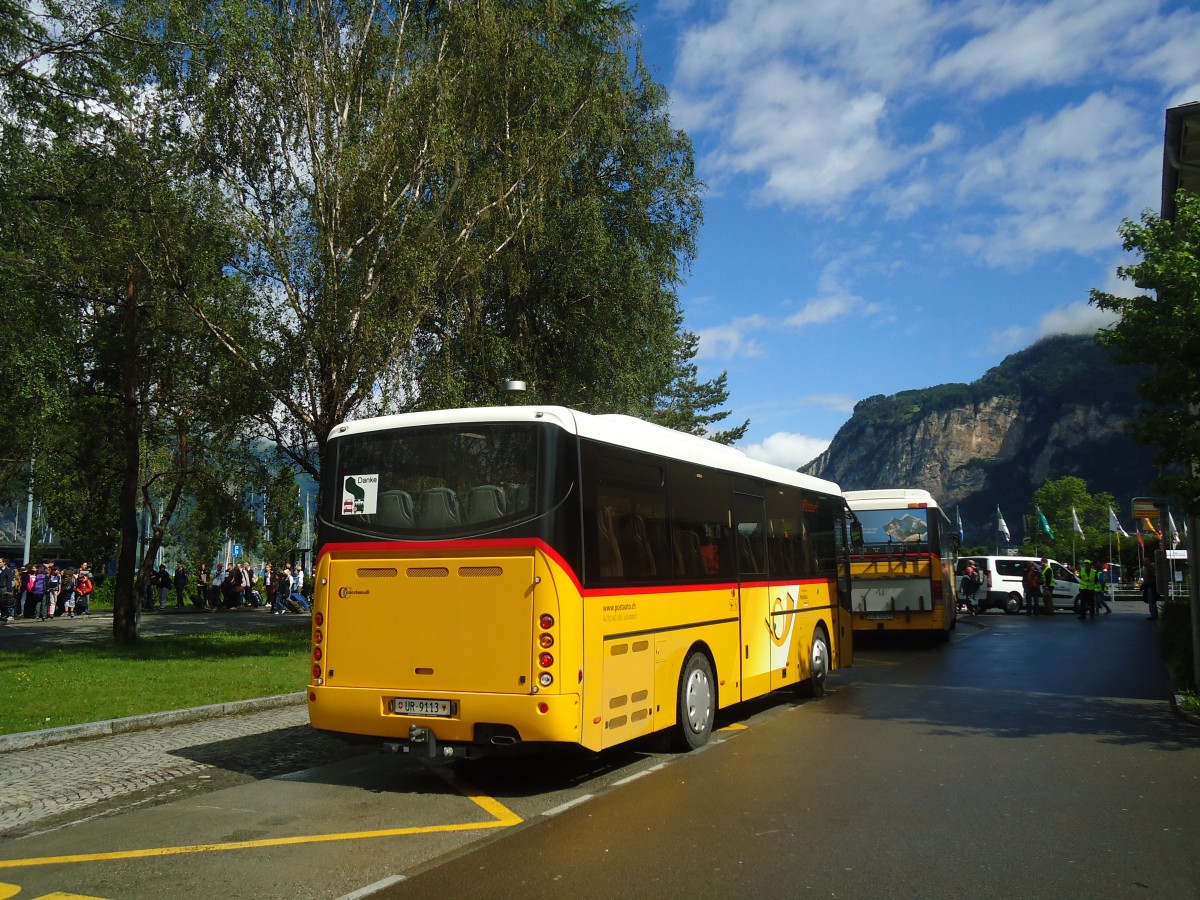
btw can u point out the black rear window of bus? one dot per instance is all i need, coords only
(440, 480)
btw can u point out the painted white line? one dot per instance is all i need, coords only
(558, 809)
(373, 888)
(636, 775)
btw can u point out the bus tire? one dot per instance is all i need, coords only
(697, 703)
(818, 665)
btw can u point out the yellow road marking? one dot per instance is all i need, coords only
(734, 726)
(502, 817)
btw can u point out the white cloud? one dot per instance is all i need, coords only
(788, 450)
(1076, 318)
(844, 107)
(837, 402)
(1060, 183)
(732, 340)
(1019, 45)
(822, 310)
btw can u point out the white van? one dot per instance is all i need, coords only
(1003, 587)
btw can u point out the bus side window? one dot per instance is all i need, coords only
(611, 565)
(689, 558)
(636, 549)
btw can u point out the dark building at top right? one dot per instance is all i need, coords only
(1181, 155)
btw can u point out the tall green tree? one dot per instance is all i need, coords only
(584, 308)
(691, 405)
(108, 244)
(1162, 329)
(384, 162)
(1058, 500)
(284, 517)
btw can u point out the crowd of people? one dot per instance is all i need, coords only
(45, 591)
(1037, 582)
(238, 586)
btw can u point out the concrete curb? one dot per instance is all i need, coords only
(26, 740)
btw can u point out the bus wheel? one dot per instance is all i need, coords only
(1012, 604)
(818, 665)
(697, 703)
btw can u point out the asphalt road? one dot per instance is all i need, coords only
(1028, 757)
(1038, 758)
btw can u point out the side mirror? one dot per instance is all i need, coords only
(856, 534)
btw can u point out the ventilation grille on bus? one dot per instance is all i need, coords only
(435, 572)
(377, 573)
(427, 572)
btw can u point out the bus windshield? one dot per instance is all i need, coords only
(894, 528)
(450, 480)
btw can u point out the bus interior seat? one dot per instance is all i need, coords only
(747, 559)
(610, 550)
(438, 508)
(395, 509)
(688, 559)
(484, 503)
(635, 547)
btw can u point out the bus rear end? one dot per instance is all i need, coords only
(441, 599)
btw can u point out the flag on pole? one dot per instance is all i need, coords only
(1075, 521)
(1001, 527)
(1114, 525)
(1045, 525)
(1150, 529)
(1174, 530)
(961, 536)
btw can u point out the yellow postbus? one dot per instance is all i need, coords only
(496, 577)
(902, 551)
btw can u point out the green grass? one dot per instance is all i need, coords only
(49, 687)
(1189, 701)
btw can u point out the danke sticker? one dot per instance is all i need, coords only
(360, 495)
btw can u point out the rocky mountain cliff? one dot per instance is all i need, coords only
(1057, 408)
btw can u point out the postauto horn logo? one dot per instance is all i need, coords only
(346, 592)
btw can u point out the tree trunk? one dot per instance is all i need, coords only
(126, 608)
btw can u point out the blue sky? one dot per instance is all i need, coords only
(900, 193)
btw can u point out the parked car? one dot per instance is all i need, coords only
(1002, 586)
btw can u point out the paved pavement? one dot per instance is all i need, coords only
(60, 771)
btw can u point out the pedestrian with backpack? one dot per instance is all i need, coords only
(970, 586)
(1031, 582)
(83, 590)
(66, 592)
(283, 590)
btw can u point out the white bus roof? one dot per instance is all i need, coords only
(889, 498)
(620, 431)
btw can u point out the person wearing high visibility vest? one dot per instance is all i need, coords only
(1089, 583)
